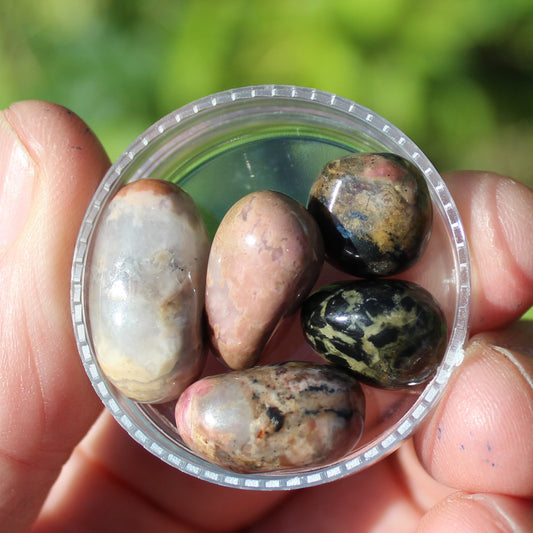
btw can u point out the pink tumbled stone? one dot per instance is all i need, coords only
(265, 258)
(273, 417)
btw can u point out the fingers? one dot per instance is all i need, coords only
(371, 500)
(471, 513)
(480, 439)
(50, 165)
(183, 497)
(134, 479)
(476, 438)
(497, 214)
(89, 497)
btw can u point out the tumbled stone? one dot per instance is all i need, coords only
(273, 417)
(146, 290)
(374, 211)
(265, 257)
(391, 333)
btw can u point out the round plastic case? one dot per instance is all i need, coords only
(221, 148)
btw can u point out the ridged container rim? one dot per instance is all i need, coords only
(163, 447)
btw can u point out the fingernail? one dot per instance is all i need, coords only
(517, 337)
(513, 345)
(494, 513)
(17, 177)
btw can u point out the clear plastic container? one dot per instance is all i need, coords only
(219, 149)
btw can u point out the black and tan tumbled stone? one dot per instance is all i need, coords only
(374, 211)
(391, 333)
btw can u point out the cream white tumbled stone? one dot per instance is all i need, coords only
(146, 290)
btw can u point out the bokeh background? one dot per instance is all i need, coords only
(455, 75)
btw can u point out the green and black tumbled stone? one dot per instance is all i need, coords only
(374, 211)
(391, 333)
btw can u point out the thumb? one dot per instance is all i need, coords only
(50, 165)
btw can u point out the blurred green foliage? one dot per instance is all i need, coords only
(454, 75)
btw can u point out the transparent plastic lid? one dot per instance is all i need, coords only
(219, 149)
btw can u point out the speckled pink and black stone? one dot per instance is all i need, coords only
(374, 211)
(146, 290)
(274, 417)
(265, 257)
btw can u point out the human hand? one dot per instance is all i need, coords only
(468, 469)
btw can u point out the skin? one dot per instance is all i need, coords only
(66, 466)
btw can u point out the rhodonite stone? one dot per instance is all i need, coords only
(374, 211)
(266, 254)
(146, 290)
(391, 333)
(273, 417)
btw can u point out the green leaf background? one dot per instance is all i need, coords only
(454, 75)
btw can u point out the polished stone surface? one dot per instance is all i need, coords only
(266, 255)
(273, 417)
(374, 211)
(391, 333)
(146, 290)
